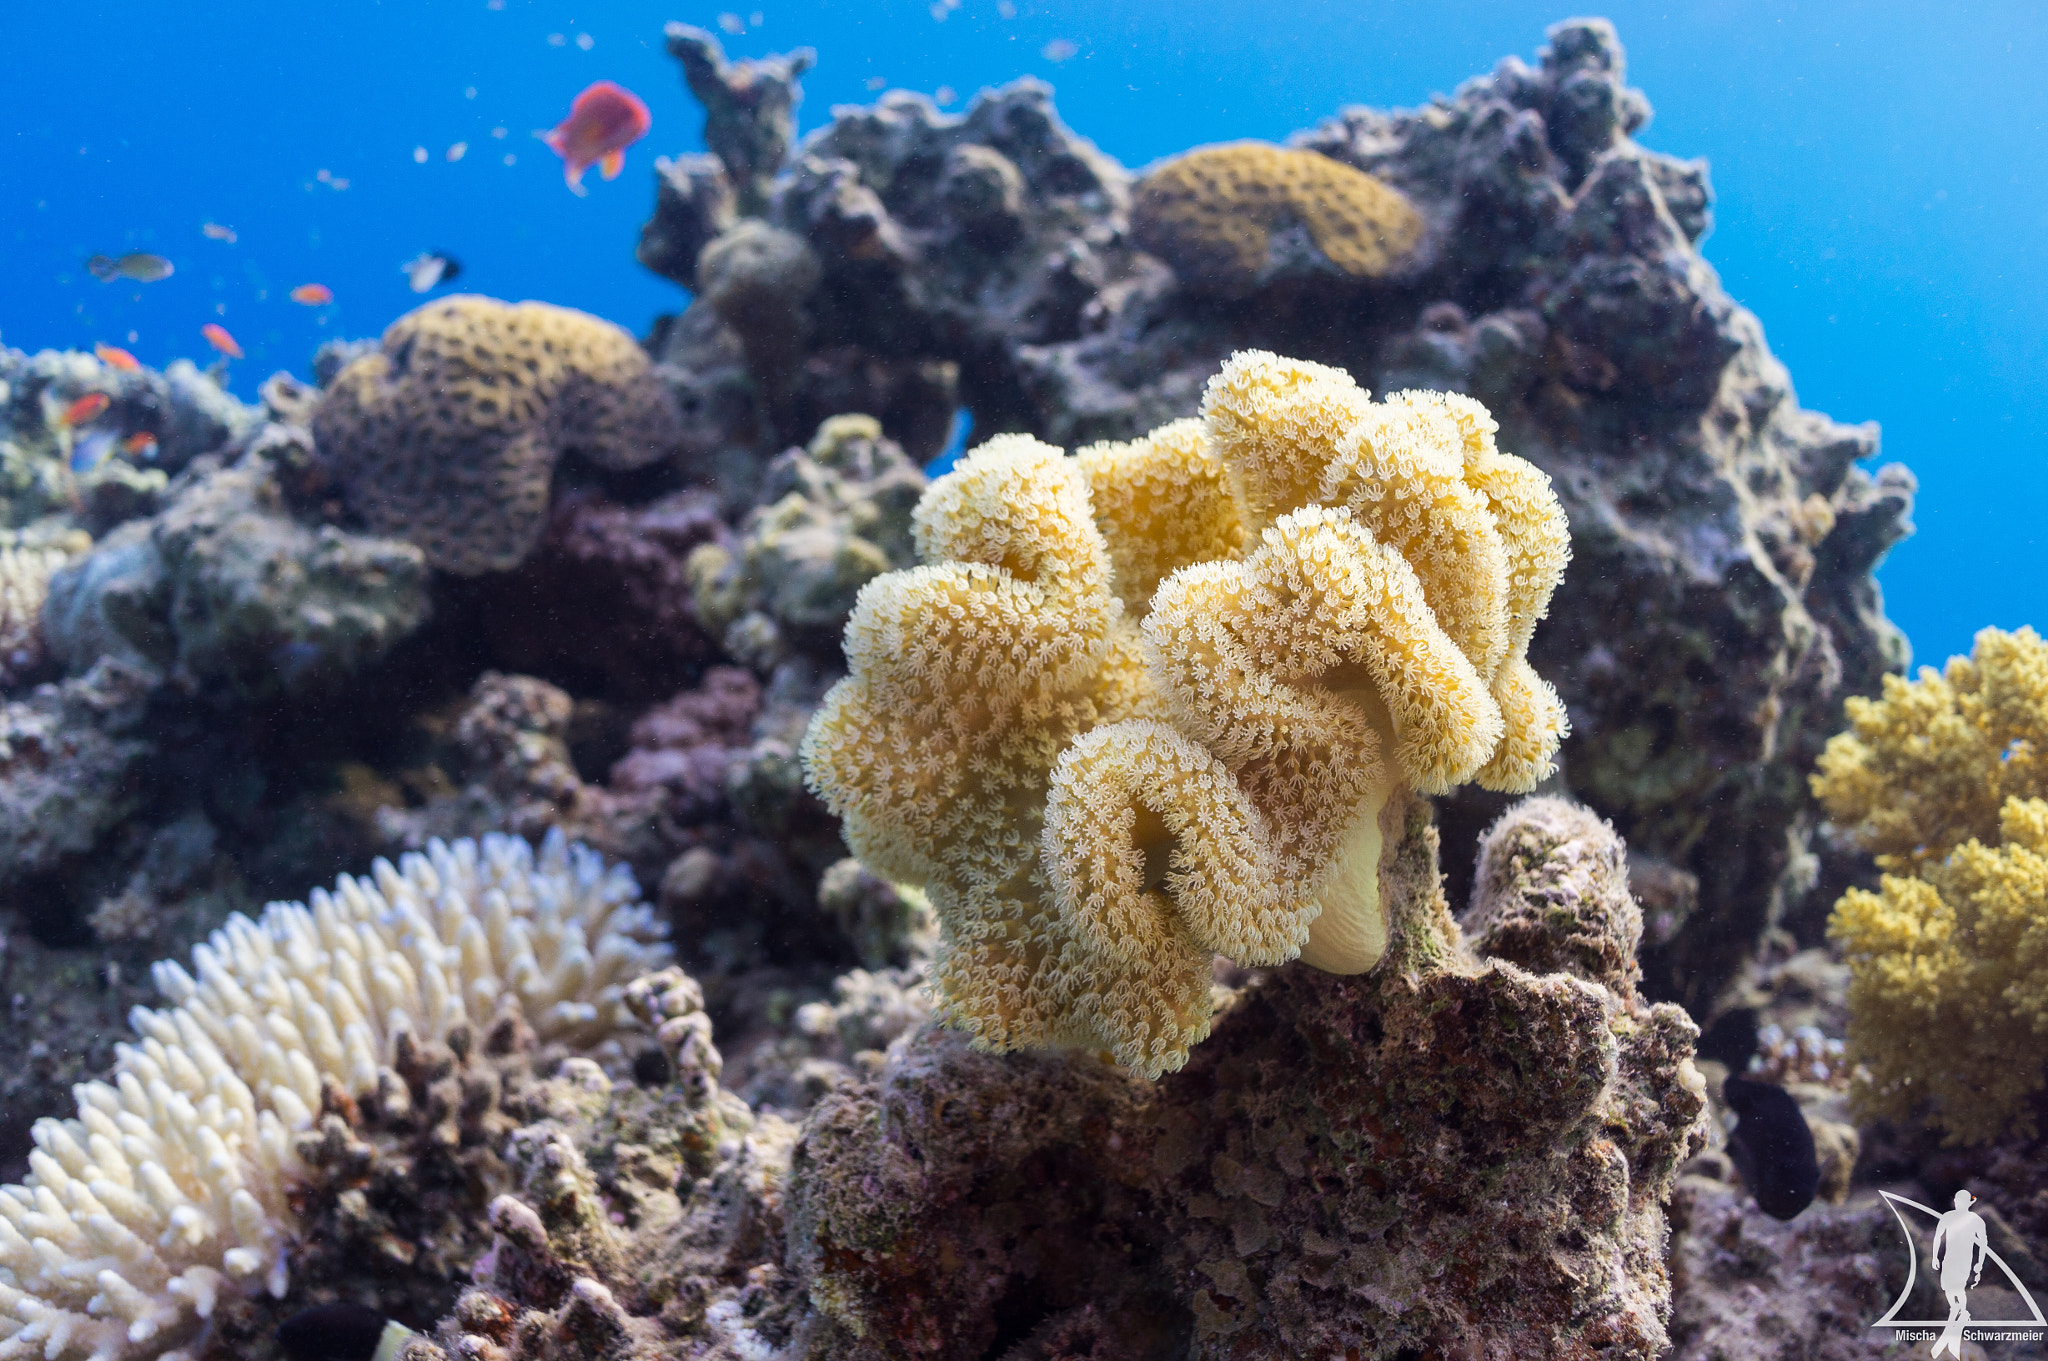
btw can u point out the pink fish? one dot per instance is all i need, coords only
(603, 121)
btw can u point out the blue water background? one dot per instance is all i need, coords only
(1882, 202)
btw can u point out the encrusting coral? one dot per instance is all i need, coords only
(1214, 214)
(448, 434)
(174, 1186)
(1099, 804)
(1945, 779)
(833, 516)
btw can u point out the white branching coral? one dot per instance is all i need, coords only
(173, 1183)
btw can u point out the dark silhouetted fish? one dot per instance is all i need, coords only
(1772, 1146)
(1731, 1040)
(340, 1332)
(429, 270)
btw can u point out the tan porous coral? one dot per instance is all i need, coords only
(25, 572)
(448, 434)
(1213, 212)
(173, 1187)
(1336, 596)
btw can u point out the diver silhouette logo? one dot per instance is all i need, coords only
(1961, 1247)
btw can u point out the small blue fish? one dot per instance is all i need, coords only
(1772, 1146)
(91, 450)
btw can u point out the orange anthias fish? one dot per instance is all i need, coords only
(137, 443)
(313, 295)
(86, 408)
(114, 357)
(603, 121)
(218, 337)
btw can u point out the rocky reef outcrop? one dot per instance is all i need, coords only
(1721, 601)
(1456, 1154)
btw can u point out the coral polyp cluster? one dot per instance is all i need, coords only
(1105, 782)
(174, 1184)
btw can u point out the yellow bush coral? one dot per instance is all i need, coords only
(1114, 732)
(1211, 213)
(448, 434)
(1948, 995)
(1943, 778)
(1931, 763)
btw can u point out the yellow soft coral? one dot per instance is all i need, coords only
(1943, 779)
(1211, 213)
(1948, 995)
(1931, 762)
(1144, 706)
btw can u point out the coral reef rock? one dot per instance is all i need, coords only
(639, 1227)
(224, 590)
(833, 516)
(1726, 538)
(1451, 1155)
(449, 433)
(620, 573)
(706, 801)
(68, 755)
(91, 474)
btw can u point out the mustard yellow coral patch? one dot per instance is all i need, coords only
(1211, 213)
(1943, 779)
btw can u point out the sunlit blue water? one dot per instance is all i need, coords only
(1882, 203)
